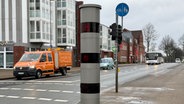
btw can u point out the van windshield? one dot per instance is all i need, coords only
(30, 57)
(105, 61)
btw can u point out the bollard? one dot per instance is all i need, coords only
(90, 54)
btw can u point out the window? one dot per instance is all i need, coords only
(63, 3)
(32, 26)
(64, 40)
(38, 36)
(1, 48)
(49, 57)
(64, 32)
(64, 14)
(63, 22)
(9, 60)
(59, 40)
(37, 4)
(43, 58)
(31, 8)
(9, 48)
(1, 60)
(59, 32)
(32, 35)
(37, 25)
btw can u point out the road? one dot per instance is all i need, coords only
(66, 90)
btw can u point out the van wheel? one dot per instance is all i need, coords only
(38, 74)
(108, 67)
(63, 71)
(19, 78)
(48, 75)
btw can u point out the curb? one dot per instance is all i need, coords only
(8, 73)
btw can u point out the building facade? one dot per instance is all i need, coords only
(14, 21)
(29, 25)
(131, 49)
(106, 44)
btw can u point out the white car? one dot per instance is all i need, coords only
(106, 63)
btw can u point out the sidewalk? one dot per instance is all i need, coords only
(8, 73)
(152, 89)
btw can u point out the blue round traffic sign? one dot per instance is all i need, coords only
(122, 9)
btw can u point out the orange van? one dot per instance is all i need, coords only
(39, 63)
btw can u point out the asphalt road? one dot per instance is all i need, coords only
(66, 90)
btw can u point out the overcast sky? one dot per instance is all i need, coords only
(167, 16)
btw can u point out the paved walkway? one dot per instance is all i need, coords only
(152, 89)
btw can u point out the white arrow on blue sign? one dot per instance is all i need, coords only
(122, 9)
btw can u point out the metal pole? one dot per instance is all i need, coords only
(116, 43)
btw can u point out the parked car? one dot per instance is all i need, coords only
(107, 63)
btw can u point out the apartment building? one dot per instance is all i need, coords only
(29, 25)
(14, 21)
(132, 49)
(106, 44)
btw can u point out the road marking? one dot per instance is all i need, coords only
(38, 83)
(78, 92)
(148, 88)
(4, 88)
(30, 98)
(47, 83)
(45, 99)
(27, 89)
(58, 100)
(14, 97)
(69, 84)
(16, 89)
(41, 90)
(104, 86)
(2, 96)
(68, 91)
(54, 90)
(35, 81)
(34, 98)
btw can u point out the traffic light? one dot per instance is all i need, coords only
(113, 31)
(119, 34)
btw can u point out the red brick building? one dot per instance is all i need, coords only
(131, 48)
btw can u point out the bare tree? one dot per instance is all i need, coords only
(153, 46)
(149, 33)
(181, 41)
(168, 46)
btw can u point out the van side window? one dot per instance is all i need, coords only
(49, 56)
(43, 58)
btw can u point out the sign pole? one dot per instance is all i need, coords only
(121, 10)
(116, 53)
